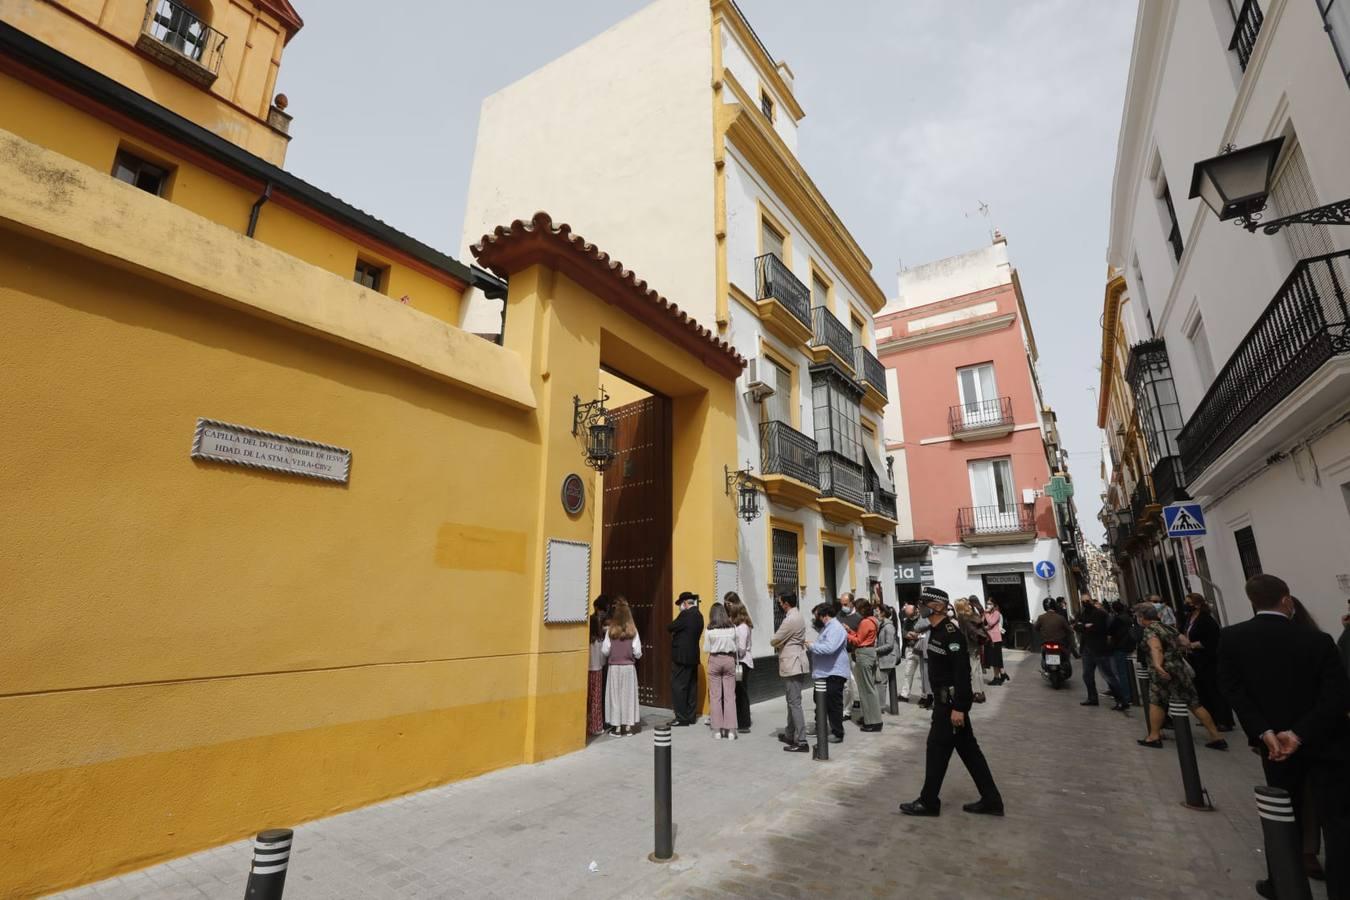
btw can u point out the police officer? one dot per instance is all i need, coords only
(949, 676)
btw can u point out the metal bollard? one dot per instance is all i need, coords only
(822, 750)
(1284, 843)
(1190, 772)
(1141, 677)
(665, 831)
(271, 856)
(895, 692)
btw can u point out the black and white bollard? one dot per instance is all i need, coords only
(1141, 684)
(822, 750)
(271, 856)
(1284, 843)
(665, 829)
(1190, 772)
(895, 692)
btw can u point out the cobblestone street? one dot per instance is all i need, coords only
(1090, 814)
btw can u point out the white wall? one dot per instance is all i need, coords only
(954, 276)
(737, 61)
(615, 139)
(953, 564)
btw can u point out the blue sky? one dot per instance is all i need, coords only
(917, 111)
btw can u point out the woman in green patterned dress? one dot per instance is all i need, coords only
(1169, 679)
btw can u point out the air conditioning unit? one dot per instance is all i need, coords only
(757, 388)
(1029, 495)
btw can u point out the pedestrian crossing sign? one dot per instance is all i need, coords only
(1184, 520)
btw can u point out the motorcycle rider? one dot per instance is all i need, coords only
(1052, 626)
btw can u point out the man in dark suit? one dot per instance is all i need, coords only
(1292, 697)
(685, 632)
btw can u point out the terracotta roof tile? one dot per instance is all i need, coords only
(511, 249)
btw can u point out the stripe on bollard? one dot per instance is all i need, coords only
(665, 828)
(1284, 843)
(271, 858)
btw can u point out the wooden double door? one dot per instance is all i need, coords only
(635, 536)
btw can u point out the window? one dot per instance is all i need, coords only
(820, 291)
(1336, 21)
(1204, 360)
(991, 485)
(1148, 317)
(1143, 293)
(766, 104)
(837, 417)
(979, 395)
(771, 240)
(135, 171)
(786, 570)
(1174, 229)
(1291, 192)
(778, 408)
(369, 275)
(859, 330)
(1247, 555)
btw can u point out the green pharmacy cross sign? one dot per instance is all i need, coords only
(1060, 489)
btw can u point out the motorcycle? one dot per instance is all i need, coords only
(1055, 665)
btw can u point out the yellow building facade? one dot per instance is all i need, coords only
(196, 650)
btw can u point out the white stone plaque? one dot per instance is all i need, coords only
(257, 449)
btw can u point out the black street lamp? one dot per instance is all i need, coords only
(593, 416)
(744, 482)
(1236, 184)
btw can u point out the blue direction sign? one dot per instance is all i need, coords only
(1184, 520)
(1044, 569)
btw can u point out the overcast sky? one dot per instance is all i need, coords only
(917, 111)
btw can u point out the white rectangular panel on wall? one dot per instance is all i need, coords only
(567, 581)
(727, 578)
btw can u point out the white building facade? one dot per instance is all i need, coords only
(1249, 329)
(671, 141)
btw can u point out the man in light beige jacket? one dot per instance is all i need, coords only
(794, 667)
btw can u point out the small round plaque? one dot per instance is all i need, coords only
(573, 494)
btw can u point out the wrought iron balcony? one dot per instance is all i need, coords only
(1306, 324)
(841, 479)
(869, 369)
(785, 451)
(993, 524)
(882, 503)
(178, 37)
(984, 415)
(1249, 20)
(775, 281)
(830, 333)
(1169, 480)
(1143, 503)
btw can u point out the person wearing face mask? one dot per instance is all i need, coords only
(1166, 614)
(829, 660)
(1201, 632)
(949, 674)
(1292, 699)
(850, 618)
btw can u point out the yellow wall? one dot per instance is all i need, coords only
(196, 651)
(47, 121)
(102, 34)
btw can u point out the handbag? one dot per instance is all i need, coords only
(740, 671)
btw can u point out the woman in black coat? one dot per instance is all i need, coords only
(1201, 631)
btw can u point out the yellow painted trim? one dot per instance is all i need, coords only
(721, 286)
(725, 11)
(780, 169)
(741, 297)
(767, 216)
(838, 540)
(795, 528)
(766, 349)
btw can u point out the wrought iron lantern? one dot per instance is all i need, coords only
(1236, 184)
(593, 418)
(747, 496)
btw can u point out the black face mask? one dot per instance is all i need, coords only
(817, 624)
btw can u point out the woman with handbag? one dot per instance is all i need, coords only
(745, 660)
(1170, 678)
(993, 650)
(863, 643)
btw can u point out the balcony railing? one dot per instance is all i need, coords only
(882, 503)
(982, 414)
(775, 281)
(841, 478)
(1248, 26)
(830, 332)
(785, 451)
(1305, 325)
(982, 520)
(1142, 499)
(1169, 480)
(178, 36)
(869, 369)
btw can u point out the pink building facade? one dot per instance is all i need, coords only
(973, 442)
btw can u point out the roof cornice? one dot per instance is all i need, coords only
(1115, 289)
(942, 335)
(727, 11)
(537, 242)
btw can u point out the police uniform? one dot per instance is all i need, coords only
(949, 676)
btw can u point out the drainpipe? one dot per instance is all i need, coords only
(257, 208)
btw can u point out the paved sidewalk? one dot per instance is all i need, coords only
(1090, 814)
